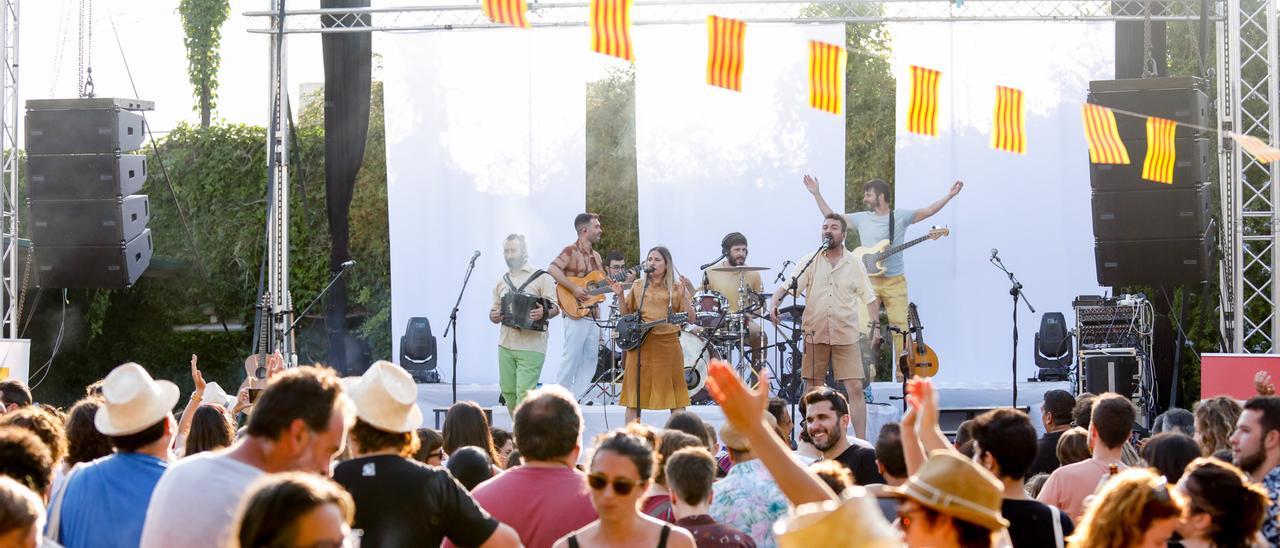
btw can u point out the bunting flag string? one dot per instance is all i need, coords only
(1259, 149)
(1161, 155)
(1009, 124)
(507, 12)
(826, 76)
(1105, 146)
(611, 28)
(922, 114)
(725, 48)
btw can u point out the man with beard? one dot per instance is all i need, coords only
(734, 247)
(1255, 448)
(873, 225)
(581, 335)
(826, 419)
(521, 352)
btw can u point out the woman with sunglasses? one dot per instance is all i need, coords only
(1136, 509)
(1224, 510)
(620, 472)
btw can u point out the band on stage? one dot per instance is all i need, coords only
(667, 328)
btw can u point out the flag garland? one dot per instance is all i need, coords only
(1105, 146)
(922, 112)
(1259, 149)
(725, 38)
(1158, 165)
(826, 76)
(1009, 123)
(507, 12)
(611, 28)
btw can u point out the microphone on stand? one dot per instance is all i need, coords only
(826, 243)
(476, 256)
(347, 264)
(710, 264)
(648, 269)
(782, 272)
(995, 255)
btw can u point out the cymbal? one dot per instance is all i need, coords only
(742, 268)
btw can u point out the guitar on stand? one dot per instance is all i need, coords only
(256, 365)
(873, 256)
(917, 358)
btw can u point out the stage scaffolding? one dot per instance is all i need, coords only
(1245, 74)
(9, 205)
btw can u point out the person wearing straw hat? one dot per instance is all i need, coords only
(105, 501)
(399, 501)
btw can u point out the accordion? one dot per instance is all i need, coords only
(516, 305)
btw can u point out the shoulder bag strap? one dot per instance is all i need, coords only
(891, 226)
(1057, 526)
(662, 540)
(526, 283)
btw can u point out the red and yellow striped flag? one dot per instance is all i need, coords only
(826, 76)
(922, 114)
(507, 12)
(611, 28)
(1259, 149)
(1105, 146)
(1009, 124)
(725, 38)
(1158, 166)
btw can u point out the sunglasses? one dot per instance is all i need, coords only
(622, 487)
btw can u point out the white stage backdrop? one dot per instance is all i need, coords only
(485, 137)
(1033, 208)
(712, 161)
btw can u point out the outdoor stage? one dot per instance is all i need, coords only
(957, 400)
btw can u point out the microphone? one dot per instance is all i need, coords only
(348, 264)
(994, 252)
(476, 256)
(826, 243)
(708, 265)
(648, 269)
(782, 272)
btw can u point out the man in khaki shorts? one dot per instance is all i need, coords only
(839, 301)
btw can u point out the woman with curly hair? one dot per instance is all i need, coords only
(1136, 509)
(1215, 420)
(84, 442)
(1224, 510)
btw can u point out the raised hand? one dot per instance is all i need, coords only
(743, 407)
(811, 184)
(242, 401)
(196, 378)
(956, 188)
(1262, 384)
(275, 364)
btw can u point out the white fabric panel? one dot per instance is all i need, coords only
(712, 161)
(1034, 208)
(485, 137)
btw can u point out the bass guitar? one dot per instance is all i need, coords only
(596, 284)
(631, 332)
(917, 359)
(873, 256)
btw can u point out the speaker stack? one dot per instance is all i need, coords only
(1147, 232)
(88, 222)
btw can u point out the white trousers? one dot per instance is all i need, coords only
(581, 352)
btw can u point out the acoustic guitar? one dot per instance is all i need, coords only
(596, 284)
(917, 359)
(873, 256)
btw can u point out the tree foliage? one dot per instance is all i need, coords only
(612, 189)
(202, 30)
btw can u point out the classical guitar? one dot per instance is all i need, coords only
(873, 256)
(917, 359)
(596, 284)
(631, 332)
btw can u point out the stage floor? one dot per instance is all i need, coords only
(956, 400)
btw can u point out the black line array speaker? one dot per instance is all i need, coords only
(88, 224)
(1147, 232)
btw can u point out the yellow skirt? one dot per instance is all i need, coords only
(662, 384)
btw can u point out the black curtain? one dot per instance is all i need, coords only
(347, 80)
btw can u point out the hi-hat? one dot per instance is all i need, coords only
(743, 268)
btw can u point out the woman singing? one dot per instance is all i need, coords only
(662, 384)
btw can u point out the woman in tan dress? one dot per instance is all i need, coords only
(662, 384)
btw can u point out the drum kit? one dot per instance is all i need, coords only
(716, 331)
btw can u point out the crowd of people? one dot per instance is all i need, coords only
(326, 462)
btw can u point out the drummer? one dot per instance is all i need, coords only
(730, 284)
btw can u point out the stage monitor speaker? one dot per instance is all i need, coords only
(1179, 99)
(89, 222)
(100, 267)
(1145, 215)
(83, 131)
(1191, 167)
(85, 176)
(1155, 262)
(1116, 373)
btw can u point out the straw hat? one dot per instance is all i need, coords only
(854, 521)
(735, 440)
(132, 401)
(215, 395)
(386, 397)
(953, 485)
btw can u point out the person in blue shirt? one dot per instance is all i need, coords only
(104, 503)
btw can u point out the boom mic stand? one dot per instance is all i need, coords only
(1015, 291)
(453, 324)
(342, 269)
(639, 320)
(793, 287)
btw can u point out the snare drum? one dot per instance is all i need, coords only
(709, 308)
(697, 357)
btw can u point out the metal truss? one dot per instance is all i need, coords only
(9, 205)
(280, 303)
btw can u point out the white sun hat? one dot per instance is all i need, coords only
(133, 401)
(386, 397)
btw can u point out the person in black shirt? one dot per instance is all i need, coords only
(1057, 417)
(399, 501)
(826, 419)
(1005, 443)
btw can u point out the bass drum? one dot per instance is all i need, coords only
(698, 354)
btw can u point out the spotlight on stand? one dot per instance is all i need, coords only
(418, 351)
(1053, 348)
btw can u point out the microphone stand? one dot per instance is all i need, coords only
(342, 270)
(640, 320)
(792, 286)
(453, 324)
(1015, 290)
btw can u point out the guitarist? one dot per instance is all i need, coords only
(582, 335)
(521, 352)
(873, 226)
